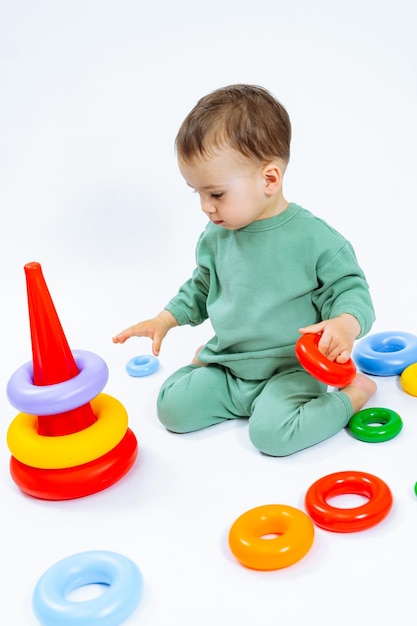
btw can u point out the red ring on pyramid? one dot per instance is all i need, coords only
(78, 481)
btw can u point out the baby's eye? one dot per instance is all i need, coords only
(216, 195)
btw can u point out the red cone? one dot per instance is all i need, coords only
(53, 361)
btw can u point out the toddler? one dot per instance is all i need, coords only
(266, 271)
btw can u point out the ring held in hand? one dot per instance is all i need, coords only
(326, 371)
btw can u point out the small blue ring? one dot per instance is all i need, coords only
(119, 574)
(386, 354)
(142, 365)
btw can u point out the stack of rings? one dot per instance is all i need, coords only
(386, 354)
(120, 576)
(74, 465)
(292, 537)
(326, 371)
(352, 519)
(375, 425)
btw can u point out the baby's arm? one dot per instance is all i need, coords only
(155, 328)
(337, 336)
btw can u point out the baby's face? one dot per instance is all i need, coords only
(232, 189)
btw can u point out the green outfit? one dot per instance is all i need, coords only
(258, 285)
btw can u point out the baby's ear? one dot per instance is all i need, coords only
(272, 174)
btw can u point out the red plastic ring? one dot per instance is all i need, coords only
(351, 519)
(79, 481)
(326, 371)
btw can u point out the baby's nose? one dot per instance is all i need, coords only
(207, 207)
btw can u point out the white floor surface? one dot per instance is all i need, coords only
(91, 96)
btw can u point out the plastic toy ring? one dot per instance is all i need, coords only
(80, 481)
(375, 424)
(248, 540)
(80, 447)
(143, 365)
(61, 397)
(120, 576)
(352, 519)
(408, 379)
(326, 371)
(386, 354)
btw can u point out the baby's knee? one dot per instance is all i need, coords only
(271, 440)
(171, 411)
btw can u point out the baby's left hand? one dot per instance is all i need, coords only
(337, 336)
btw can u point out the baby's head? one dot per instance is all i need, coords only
(232, 149)
(246, 118)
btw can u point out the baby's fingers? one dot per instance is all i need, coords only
(156, 345)
(324, 346)
(120, 338)
(332, 350)
(343, 357)
(313, 328)
(124, 335)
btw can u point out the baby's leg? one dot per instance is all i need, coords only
(195, 397)
(295, 411)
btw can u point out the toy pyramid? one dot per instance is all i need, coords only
(70, 439)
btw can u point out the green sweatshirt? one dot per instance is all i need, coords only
(259, 284)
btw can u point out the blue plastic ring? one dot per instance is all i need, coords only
(142, 365)
(61, 397)
(386, 354)
(119, 574)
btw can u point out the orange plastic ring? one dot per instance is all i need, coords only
(79, 481)
(248, 540)
(352, 519)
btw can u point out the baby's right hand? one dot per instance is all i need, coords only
(155, 328)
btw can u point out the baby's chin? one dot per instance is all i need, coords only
(228, 226)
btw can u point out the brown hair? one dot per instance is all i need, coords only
(246, 118)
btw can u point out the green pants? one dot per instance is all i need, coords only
(287, 412)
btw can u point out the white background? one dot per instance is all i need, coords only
(91, 96)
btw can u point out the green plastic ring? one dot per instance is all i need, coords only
(375, 425)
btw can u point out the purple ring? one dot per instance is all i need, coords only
(27, 397)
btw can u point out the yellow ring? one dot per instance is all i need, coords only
(62, 451)
(408, 379)
(294, 532)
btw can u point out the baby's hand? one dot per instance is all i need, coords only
(337, 336)
(155, 328)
